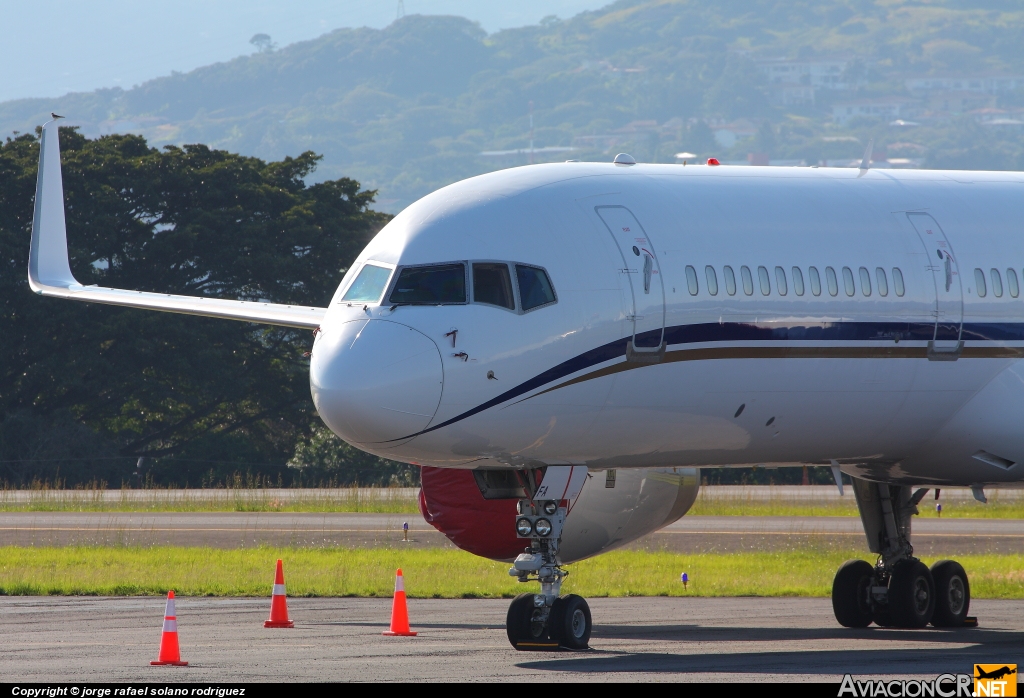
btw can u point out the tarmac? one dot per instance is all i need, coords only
(83, 639)
(691, 534)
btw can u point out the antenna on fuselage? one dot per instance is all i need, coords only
(865, 162)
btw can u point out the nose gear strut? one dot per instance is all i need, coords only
(547, 620)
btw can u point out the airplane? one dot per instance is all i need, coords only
(540, 329)
(994, 674)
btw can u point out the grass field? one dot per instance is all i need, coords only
(404, 501)
(436, 573)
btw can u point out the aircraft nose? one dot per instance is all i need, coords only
(375, 380)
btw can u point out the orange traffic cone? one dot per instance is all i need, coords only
(399, 610)
(279, 603)
(169, 654)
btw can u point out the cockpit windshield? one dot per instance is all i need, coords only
(369, 284)
(431, 285)
(492, 284)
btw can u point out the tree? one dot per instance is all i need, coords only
(213, 394)
(765, 140)
(324, 459)
(263, 43)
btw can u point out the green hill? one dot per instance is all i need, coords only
(410, 108)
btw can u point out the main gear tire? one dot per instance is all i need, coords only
(952, 594)
(570, 622)
(882, 616)
(911, 594)
(851, 589)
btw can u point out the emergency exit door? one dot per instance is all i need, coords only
(640, 266)
(949, 298)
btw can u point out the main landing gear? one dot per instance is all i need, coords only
(899, 590)
(548, 620)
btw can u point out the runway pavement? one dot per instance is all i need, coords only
(635, 639)
(690, 534)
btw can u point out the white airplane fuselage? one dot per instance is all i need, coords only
(919, 386)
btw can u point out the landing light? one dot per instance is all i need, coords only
(543, 528)
(524, 528)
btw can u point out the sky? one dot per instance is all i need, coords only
(51, 47)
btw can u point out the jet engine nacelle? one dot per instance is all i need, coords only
(476, 509)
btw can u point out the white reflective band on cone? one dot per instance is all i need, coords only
(169, 609)
(279, 590)
(399, 583)
(170, 625)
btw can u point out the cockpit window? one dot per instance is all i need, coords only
(431, 285)
(534, 287)
(369, 284)
(492, 284)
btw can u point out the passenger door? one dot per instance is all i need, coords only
(640, 265)
(949, 298)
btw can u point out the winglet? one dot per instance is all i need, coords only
(48, 259)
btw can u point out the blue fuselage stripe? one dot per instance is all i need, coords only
(753, 332)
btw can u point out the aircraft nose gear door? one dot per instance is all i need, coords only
(949, 299)
(640, 265)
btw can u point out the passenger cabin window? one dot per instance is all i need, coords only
(535, 287)
(812, 274)
(979, 283)
(748, 281)
(865, 281)
(691, 280)
(1011, 283)
(762, 276)
(437, 284)
(780, 281)
(709, 272)
(730, 281)
(881, 282)
(369, 284)
(833, 284)
(897, 282)
(848, 281)
(997, 283)
(798, 281)
(492, 284)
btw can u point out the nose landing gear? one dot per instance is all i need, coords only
(899, 591)
(548, 620)
(568, 622)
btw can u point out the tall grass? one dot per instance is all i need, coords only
(439, 573)
(784, 501)
(397, 500)
(249, 497)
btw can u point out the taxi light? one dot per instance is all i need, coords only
(550, 507)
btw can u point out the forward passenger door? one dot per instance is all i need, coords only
(640, 266)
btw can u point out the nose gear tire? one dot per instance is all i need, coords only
(518, 621)
(911, 594)
(850, 594)
(570, 622)
(952, 594)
